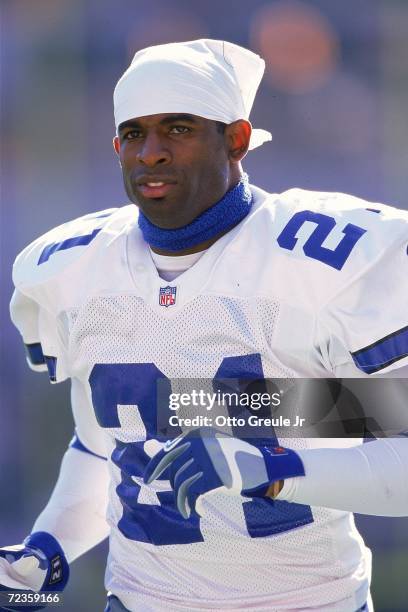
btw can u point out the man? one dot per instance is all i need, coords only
(212, 279)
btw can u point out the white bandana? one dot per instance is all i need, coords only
(213, 79)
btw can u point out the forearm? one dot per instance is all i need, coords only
(75, 513)
(368, 479)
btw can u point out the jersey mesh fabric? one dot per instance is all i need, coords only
(322, 563)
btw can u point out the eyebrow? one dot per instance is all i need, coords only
(165, 121)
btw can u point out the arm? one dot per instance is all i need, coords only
(370, 478)
(73, 521)
(75, 513)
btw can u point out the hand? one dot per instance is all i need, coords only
(39, 564)
(205, 460)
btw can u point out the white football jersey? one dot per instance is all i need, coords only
(307, 285)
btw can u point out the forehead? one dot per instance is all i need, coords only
(164, 119)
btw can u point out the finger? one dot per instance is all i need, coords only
(10, 582)
(182, 473)
(152, 447)
(26, 565)
(182, 500)
(161, 461)
(178, 465)
(185, 473)
(11, 553)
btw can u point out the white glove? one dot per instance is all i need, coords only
(39, 564)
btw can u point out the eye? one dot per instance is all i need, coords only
(179, 129)
(131, 134)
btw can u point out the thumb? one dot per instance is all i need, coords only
(152, 447)
(26, 565)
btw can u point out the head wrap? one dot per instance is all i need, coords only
(213, 79)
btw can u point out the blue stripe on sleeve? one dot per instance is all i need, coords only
(76, 443)
(382, 353)
(35, 354)
(52, 367)
(69, 243)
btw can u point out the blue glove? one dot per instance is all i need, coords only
(205, 460)
(37, 565)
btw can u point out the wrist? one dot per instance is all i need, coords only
(274, 489)
(280, 464)
(49, 552)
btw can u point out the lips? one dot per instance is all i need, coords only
(154, 187)
(155, 191)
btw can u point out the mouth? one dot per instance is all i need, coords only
(155, 189)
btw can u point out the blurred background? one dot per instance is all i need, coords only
(335, 96)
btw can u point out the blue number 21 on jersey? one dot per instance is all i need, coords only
(151, 516)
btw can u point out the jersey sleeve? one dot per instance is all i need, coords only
(370, 478)
(364, 328)
(50, 276)
(43, 336)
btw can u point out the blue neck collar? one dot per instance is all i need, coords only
(230, 210)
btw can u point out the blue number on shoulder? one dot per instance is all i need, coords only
(263, 517)
(336, 258)
(69, 243)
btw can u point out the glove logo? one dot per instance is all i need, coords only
(170, 444)
(56, 570)
(276, 450)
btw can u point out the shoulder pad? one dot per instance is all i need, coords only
(56, 250)
(335, 203)
(337, 228)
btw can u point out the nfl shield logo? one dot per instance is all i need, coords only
(167, 296)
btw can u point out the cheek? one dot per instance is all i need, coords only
(128, 154)
(213, 173)
(209, 162)
(126, 169)
(127, 166)
(124, 159)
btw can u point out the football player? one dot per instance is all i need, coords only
(206, 276)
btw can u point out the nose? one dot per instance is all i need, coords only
(153, 152)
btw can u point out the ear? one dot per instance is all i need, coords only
(238, 135)
(116, 145)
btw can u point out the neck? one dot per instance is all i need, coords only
(202, 246)
(203, 231)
